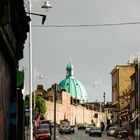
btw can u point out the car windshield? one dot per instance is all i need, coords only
(44, 122)
(65, 126)
(112, 128)
(44, 126)
(95, 128)
(41, 131)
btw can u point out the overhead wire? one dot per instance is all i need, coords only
(88, 25)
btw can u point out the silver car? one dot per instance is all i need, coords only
(65, 129)
(111, 131)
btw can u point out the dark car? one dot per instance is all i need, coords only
(42, 134)
(65, 129)
(111, 131)
(54, 124)
(88, 127)
(95, 131)
(121, 132)
(81, 126)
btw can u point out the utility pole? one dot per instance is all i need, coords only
(104, 108)
(104, 98)
(55, 92)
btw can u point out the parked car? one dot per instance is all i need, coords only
(81, 126)
(45, 123)
(121, 132)
(65, 129)
(111, 131)
(95, 131)
(42, 134)
(52, 124)
(41, 126)
(88, 127)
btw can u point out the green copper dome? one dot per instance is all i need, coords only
(73, 86)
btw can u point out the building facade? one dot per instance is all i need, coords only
(13, 32)
(121, 86)
(135, 101)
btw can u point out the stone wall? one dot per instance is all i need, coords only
(74, 113)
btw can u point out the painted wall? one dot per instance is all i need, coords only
(75, 114)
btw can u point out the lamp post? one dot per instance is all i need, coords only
(30, 75)
(83, 102)
(104, 98)
(105, 111)
(99, 83)
(55, 90)
(30, 64)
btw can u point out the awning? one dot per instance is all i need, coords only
(20, 79)
(135, 118)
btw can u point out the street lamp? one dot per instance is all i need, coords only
(104, 97)
(104, 100)
(30, 65)
(43, 16)
(99, 83)
(46, 5)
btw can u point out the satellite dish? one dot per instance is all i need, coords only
(46, 5)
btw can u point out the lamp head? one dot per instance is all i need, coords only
(46, 5)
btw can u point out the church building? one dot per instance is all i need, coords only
(71, 101)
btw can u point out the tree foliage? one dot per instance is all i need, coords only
(40, 105)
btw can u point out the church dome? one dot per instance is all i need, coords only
(73, 86)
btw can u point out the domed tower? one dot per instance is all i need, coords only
(73, 86)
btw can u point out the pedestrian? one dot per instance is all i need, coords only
(37, 121)
(102, 126)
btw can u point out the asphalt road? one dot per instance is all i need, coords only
(81, 135)
(78, 135)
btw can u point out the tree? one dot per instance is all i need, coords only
(40, 105)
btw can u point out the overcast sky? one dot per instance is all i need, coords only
(94, 50)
